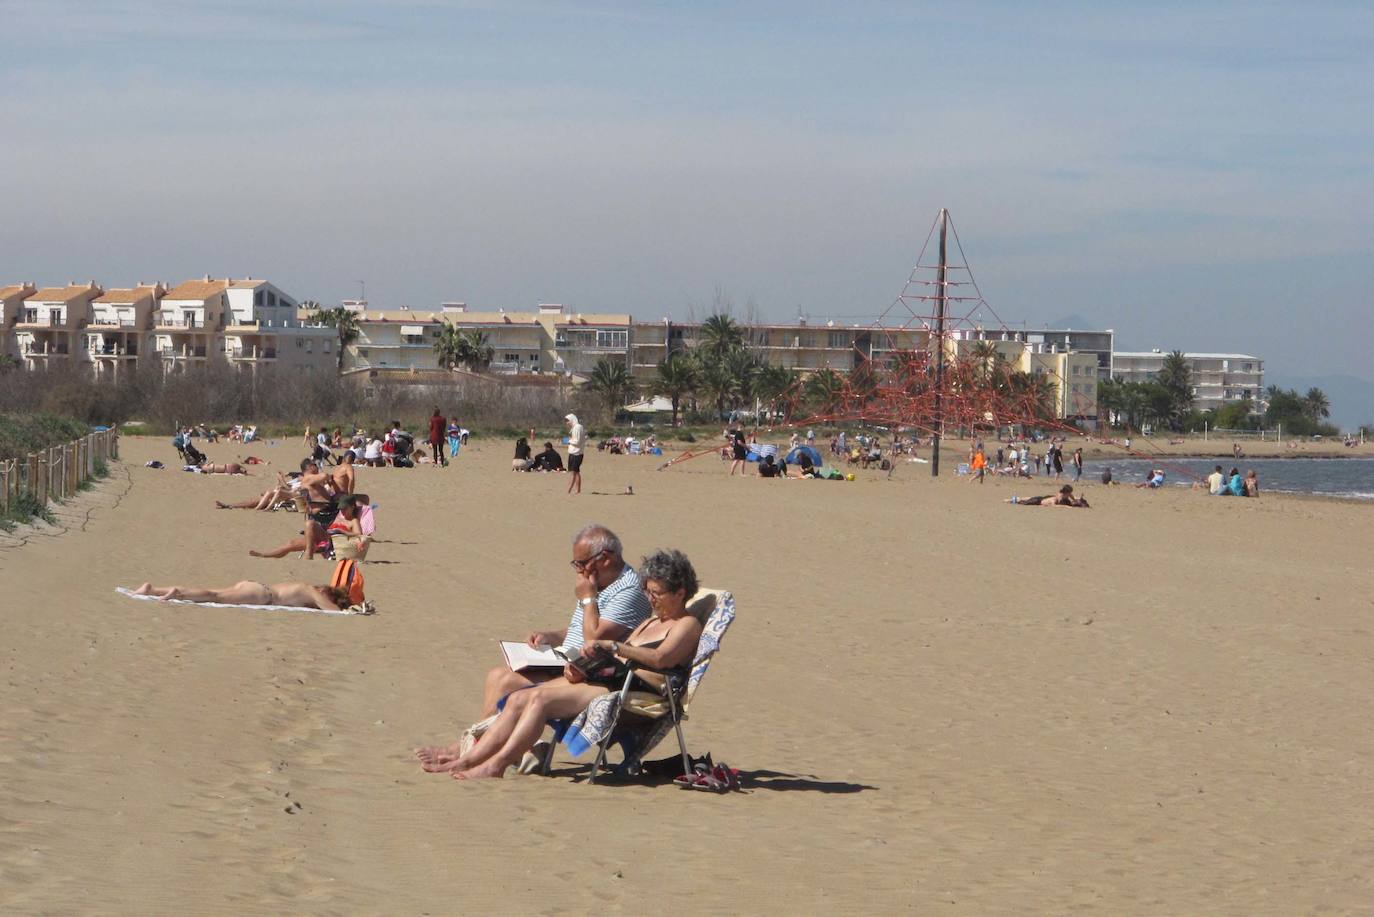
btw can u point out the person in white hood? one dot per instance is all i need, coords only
(577, 439)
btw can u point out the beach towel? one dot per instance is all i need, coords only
(319, 611)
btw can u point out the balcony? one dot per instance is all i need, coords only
(110, 321)
(241, 353)
(188, 353)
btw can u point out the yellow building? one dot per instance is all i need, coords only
(1074, 376)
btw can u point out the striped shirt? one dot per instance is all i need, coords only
(622, 602)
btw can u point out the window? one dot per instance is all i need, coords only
(300, 342)
(1087, 388)
(31, 316)
(309, 346)
(1075, 371)
(362, 351)
(839, 339)
(1075, 388)
(1247, 367)
(326, 346)
(257, 297)
(271, 298)
(612, 338)
(760, 338)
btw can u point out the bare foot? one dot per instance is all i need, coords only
(169, 595)
(434, 757)
(252, 553)
(220, 505)
(485, 771)
(145, 589)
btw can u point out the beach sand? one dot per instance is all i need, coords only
(941, 703)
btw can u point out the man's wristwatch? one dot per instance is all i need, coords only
(587, 601)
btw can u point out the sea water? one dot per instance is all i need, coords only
(1328, 477)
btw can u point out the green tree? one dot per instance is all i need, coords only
(343, 321)
(1316, 405)
(611, 380)
(824, 388)
(1176, 381)
(772, 384)
(720, 334)
(677, 378)
(456, 346)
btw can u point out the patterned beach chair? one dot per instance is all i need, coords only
(649, 704)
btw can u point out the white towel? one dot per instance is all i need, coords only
(152, 598)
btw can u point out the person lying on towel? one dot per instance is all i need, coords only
(247, 592)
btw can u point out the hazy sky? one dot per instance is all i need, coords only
(1196, 175)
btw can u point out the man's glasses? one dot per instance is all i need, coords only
(580, 565)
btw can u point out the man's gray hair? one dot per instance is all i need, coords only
(598, 538)
(670, 569)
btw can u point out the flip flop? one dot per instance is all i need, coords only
(727, 775)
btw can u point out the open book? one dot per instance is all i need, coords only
(520, 656)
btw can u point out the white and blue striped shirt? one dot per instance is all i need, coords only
(622, 602)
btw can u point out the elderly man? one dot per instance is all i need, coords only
(610, 604)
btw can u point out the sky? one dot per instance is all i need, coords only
(1194, 175)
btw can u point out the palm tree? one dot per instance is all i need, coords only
(772, 383)
(611, 380)
(719, 381)
(1175, 377)
(344, 321)
(824, 388)
(455, 346)
(677, 378)
(1316, 405)
(719, 335)
(986, 356)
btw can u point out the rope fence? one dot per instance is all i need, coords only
(57, 472)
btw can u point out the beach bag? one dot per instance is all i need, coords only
(348, 576)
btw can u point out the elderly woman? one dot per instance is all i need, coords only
(665, 642)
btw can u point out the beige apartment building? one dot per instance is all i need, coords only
(549, 340)
(1073, 375)
(801, 347)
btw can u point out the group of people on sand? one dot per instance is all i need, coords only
(333, 518)
(549, 460)
(1017, 459)
(622, 617)
(1220, 484)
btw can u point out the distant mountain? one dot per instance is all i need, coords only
(1075, 321)
(1352, 398)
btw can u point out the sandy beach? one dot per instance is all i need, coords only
(940, 702)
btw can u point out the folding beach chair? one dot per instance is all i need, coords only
(649, 704)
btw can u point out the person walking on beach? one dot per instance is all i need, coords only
(979, 465)
(438, 428)
(577, 440)
(1078, 463)
(739, 452)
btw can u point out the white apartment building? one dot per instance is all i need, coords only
(49, 322)
(120, 324)
(12, 300)
(263, 327)
(1217, 378)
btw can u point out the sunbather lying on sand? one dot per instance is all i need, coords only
(230, 468)
(247, 592)
(1065, 497)
(665, 641)
(317, 538)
